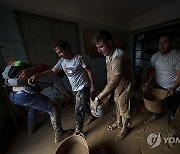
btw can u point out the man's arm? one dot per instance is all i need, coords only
(110, 87)
(150, 75)
(108, 75)
(177, 82)
(90, 75)
(44, 74)
(113, 82)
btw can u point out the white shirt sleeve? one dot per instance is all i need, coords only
(154, 58)
(58, 65)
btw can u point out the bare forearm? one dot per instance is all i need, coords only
(108, 78)
(177, 82)
(109, 88)
(91, 78)
(45, 74)
(90, 75)
(176, 85)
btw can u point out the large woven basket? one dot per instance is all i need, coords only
(154, 100)
(75, 144)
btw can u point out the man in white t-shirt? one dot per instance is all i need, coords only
(165, 65)
(120, 81)
(80, 78)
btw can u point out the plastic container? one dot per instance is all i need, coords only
(103, 108)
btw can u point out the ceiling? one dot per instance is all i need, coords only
(110, 12)
(127, 8)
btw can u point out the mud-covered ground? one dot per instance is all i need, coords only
(99, 139)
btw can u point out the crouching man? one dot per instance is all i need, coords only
(16, 75)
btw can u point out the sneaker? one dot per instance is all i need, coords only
(90, 119)
(154, 117)
(123, 133)
(61, 136)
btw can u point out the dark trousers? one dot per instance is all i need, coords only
(173, 102)
(82, 98)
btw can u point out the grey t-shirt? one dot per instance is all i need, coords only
(165, 68)
(74, 69)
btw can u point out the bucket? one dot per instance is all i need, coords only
(75, 144)
(103, 108)
(154, 100)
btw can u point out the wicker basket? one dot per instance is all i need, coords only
(154, 100)
(75, 144)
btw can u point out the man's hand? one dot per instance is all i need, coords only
(92, 89)
(170, 92)
(145, 86)
(94, 104)
(31, 80)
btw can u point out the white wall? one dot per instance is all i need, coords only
(160, 15)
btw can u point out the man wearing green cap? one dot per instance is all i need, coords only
(16, 75)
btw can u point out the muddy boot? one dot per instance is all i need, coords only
(154, 117)
(90, 119)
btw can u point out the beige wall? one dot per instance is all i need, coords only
(160, 15)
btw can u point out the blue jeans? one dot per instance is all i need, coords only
(37, 102)
(82, 98)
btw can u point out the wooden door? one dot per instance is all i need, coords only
(40, 33)
(38, 37)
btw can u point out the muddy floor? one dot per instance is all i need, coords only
(99, 139)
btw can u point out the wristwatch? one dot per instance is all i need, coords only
(97, 99)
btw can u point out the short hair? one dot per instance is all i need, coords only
(102, 35)
(62, 44)
(169, 35)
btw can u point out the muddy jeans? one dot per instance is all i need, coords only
(37, 102)
(81, 105)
